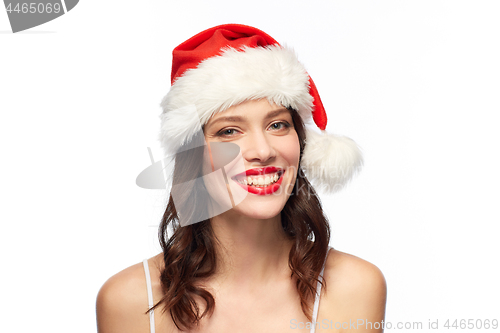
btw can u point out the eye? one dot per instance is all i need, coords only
(279, 125)
(227, 132)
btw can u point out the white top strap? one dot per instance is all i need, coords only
(150, 296)
(318, 294)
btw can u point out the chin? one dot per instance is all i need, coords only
(260, 208)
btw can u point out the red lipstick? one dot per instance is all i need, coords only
(261, 190)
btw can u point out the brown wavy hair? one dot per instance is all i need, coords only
(190, 255)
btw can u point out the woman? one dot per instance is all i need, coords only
(249, 252)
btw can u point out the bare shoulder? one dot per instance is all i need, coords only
(356, 289)
(122, 302)
(353, 272)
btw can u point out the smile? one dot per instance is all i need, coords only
(260, 181)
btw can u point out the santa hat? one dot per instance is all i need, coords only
(232, 63)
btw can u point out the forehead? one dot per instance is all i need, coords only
(253, 110)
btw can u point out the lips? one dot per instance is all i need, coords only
(260, 181)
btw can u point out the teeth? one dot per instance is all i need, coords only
(259, 180)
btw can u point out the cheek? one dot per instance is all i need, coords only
(290, 150)
(207, 164)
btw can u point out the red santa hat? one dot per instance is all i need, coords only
(232, 63)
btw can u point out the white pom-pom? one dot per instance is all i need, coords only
(330, 161)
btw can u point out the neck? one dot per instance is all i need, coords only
(250, 252)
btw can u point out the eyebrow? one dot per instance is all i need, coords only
(271, 114)
(276, 113)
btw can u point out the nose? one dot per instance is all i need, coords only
(258, 148)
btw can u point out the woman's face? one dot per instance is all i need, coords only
(267, 166)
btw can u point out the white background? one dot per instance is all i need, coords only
(415, 83)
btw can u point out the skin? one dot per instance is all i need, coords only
(252, 285)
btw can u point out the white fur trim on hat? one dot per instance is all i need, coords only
(219, 82)
(330, 161)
